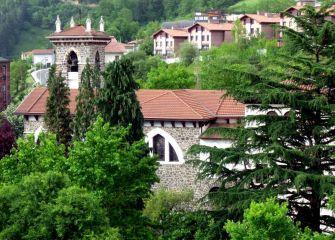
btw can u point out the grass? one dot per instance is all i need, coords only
(252, 6)
(33, 38)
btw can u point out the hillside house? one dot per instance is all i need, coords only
(43, 57)
(115, 50)
(261, 24)
(207, 35)
(168, 41)
(4, 83)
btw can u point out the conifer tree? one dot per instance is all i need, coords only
(85, 107)
(117, 102)
(289, 155)
(57, 116)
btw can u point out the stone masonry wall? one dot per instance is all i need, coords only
(176, 177)
(84, 51)
(180, 177)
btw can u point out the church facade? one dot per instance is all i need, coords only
(174, 119)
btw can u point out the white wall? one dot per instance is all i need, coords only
(110, 57)
(44, 59)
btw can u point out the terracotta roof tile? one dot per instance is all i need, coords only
(215, 26)
(115, 47)
(42, 51)
(78, 31)
(262, 18)
(195, 105)
(173, 32)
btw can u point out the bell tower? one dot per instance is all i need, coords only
(76, 46)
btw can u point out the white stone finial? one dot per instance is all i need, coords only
(72, 23)
(58, 25)
(102, 24)
(88, 24)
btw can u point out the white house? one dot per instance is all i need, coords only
(43, 57)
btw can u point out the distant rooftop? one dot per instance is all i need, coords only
(178, 24)
(3, 59)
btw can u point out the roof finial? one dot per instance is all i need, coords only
(72, 23)
(88, 24)
(58, 25)
(102, 24)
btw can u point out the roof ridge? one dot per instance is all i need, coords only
(164, 93)
(37, 99)
(173, 91)
(205, 107)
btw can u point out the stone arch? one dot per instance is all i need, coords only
(72, 62)
(66, 55)
(168, 139)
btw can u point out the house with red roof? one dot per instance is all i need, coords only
(168, 41)
(43, 57)
(205, 35)
(261, 24)
(115, 50)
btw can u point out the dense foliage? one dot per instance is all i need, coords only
(281, 155)
(117, 102)
(7, 137)
(57, 115)
(97, 188)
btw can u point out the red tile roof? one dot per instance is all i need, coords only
(115, 47)
(42, 51)
(262, 18)
(78, 31)
(173, 32)
(215, 26)
(193, 105)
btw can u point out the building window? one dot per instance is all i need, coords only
(202, 38)
(208, 38)
(4, 72)
(251, 21)
(159, 147)
(196, 38)
(191, 38)
(164, 146)
(252, 31)
(97, 60)
(72, 62)
(272, 113)
(117, 58)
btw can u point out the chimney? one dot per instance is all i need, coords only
(58, 25)
(72, 23)
(102, 24)
(88, 24)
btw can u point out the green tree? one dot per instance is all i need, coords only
(119, 172)
(16, 121)
(170, 76)
(282, 154)
(85, 102)
(188, 53)
(117, 102)
(46, 206)
(57, 115)
(268, 220)
(239, 31)
(18, 74)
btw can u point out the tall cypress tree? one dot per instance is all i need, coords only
(57, 116)
(117, 101)
(289, 155)
(85, 110)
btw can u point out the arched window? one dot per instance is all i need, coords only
(272, 113)
(159, 147)
(97, 60)
(72, 62)
(164, 146)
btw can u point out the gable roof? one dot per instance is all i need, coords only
(115, 47)
(173, 32)
(182, 105)
(78, 31)
(214, 26)
(3, 59)
(42, 51)
(262, 18)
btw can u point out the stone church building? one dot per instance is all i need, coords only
(174, 119)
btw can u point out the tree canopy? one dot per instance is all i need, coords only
(288, 152)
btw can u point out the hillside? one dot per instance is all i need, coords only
(25, 23)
